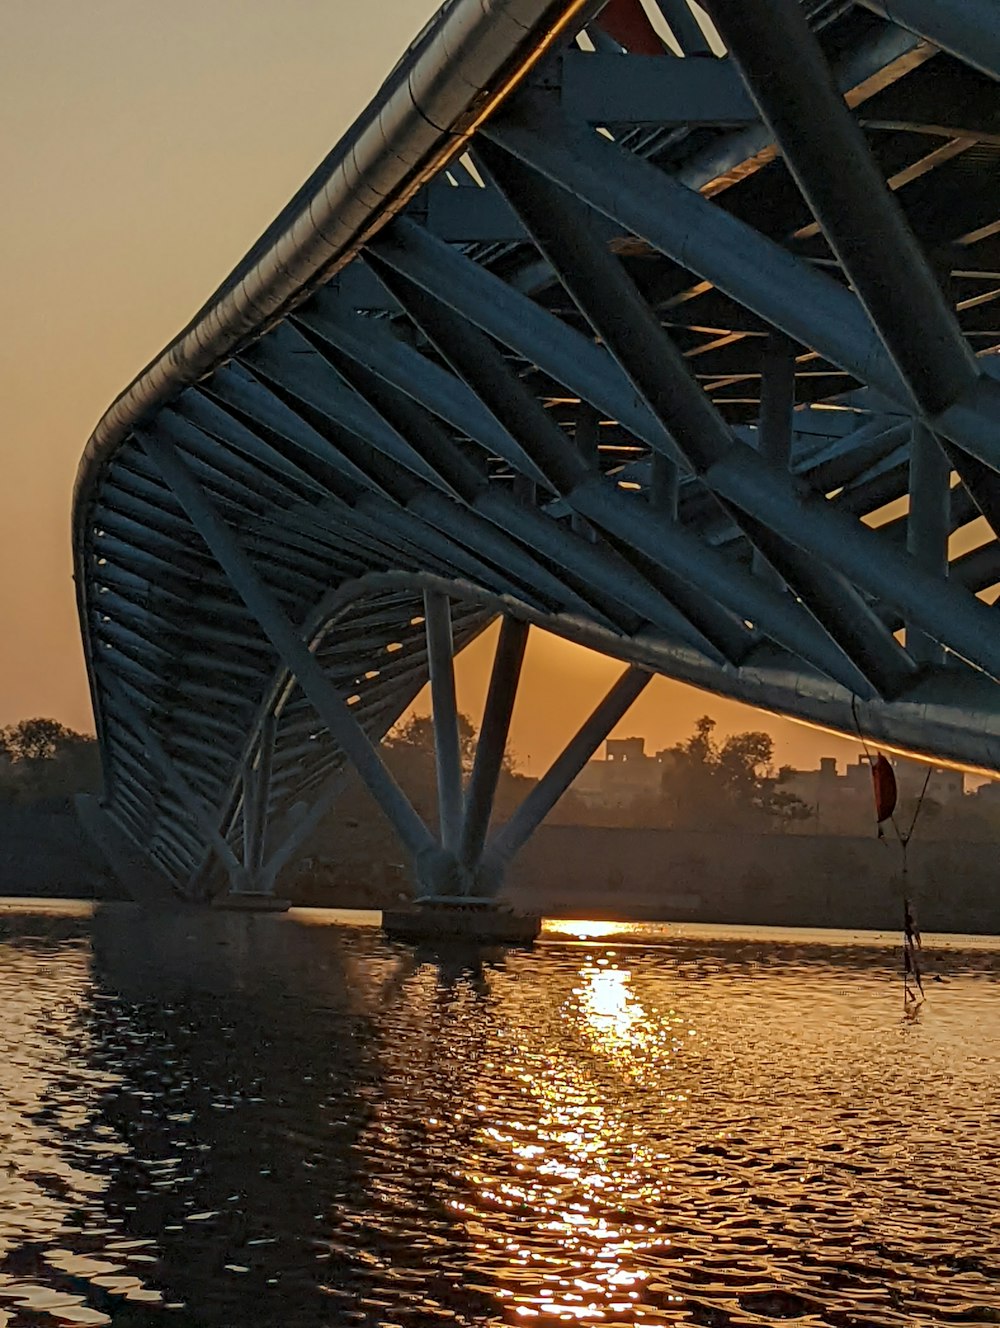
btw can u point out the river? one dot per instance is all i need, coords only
(211, 1120)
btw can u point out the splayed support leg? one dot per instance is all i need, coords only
(295, 655)
(458, 899)
(441, 661)
(492, 740)
(557, 779)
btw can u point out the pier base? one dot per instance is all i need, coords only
(249, 903)
(472, 921)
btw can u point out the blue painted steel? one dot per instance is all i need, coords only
(574, 412)
(969, 29)
(690, 92)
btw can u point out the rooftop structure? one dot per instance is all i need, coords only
(624, 777)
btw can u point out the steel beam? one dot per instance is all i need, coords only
(826, 152)
(956, 621)
(774, 424)
(786, 292)
(967, 29)
(518, 323)
(488, 761)
(371, 344)
(597, 576)
(634, 525)
(475, 359)
(758, 273)
(587, 440)
(332, 710)
(603, 89)
(440, 657)
(557, 779)
(927, 524)
(685, 27)
(257, 780)
(624, 322)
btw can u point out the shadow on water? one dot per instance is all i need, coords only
(248, 1072)
(217, 1119)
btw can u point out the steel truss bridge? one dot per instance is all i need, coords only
(674, 337)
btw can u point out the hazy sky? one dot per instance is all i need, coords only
(145, 146)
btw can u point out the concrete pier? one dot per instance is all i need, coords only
(472, 921)
(250, 903)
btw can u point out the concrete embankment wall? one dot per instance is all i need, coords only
(591, 871)
(793, 880)
(44, 851)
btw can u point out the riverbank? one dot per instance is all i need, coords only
(599, 872)
(765, 880)
(45, 853)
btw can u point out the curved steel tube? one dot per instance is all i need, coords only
(340, 453)
(470, 56)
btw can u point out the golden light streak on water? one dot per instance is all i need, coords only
(217, 1119)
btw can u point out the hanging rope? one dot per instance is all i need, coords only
(884, 784)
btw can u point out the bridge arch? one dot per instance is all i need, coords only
(687, 357)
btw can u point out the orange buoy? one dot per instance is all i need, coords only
(884, 788)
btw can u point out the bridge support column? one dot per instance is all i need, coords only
(470, 912)
(488, 761)
(447, 751)
(557, 779)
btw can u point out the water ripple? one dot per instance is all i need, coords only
(219, 1120)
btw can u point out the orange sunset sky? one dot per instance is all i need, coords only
(145, 147)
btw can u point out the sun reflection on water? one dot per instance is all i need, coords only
(605, 1131)
(575, 1184)
(585, 929)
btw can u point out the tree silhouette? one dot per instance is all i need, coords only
(732, 783)
(45, 759)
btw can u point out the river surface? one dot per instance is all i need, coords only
(216, 1120)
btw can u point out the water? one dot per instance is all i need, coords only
(224, 1120)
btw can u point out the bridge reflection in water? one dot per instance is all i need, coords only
(264, 1121)
(612, 319)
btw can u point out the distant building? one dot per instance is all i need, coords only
(943, 785)
(841, 803)
(624, 776)
(844, 803)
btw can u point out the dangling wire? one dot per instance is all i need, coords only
(911, 932)
(905, 839)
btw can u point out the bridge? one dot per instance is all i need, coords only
(672, 334)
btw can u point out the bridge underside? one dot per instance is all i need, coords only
(676, 339)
